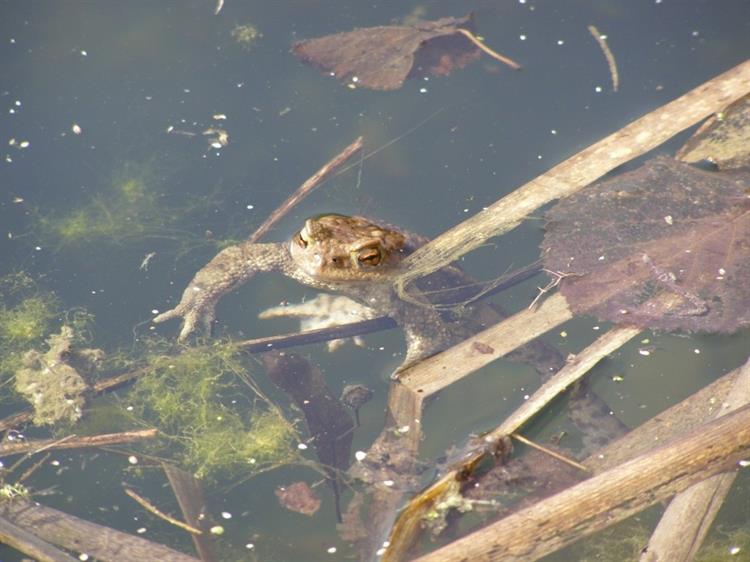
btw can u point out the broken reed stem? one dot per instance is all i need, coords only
(148, 506)
(550, 452)
(513, 333)
(575, 173)
(602, 40)
(576, 368)
(607, 498)
(28, 543)
(689, 516)
(495, 55)
(306, 188)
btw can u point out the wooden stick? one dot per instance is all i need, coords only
(148, 506)
(611, 63)
(607, 498)
(576, 172)
(38, 445)
(30, 544)
(685, 523)
(76, 534)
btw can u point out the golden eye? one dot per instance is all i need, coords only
(301, 242)
(369, 256)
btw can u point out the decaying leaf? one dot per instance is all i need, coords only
(298, 497)
(723, 139)
(382, 57)
(665, 246)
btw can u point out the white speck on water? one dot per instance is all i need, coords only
(331, 550)
(302, 446)
(697, 351)
(226, 515)
(360, 456)
(522, 37)
(132, 459)
(250, 207)
(598, 89)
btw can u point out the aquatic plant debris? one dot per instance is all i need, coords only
(55, 382)
(666, 246)
(383, 57)
(298, 497)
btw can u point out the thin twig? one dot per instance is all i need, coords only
(33, 468)
(148, 506)
(77, 442)
(306, 188)
(495, 55)
(550, 452)
(602, 40)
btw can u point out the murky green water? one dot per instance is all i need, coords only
(113, 99)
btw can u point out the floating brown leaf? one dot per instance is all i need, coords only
(298, 497)
(382, 57)
(665, 246)
(723, 139)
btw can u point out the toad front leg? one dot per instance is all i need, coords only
(229, 269)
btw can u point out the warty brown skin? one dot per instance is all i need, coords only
(352, 256)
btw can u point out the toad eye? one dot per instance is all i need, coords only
(299, 240)
(369, 256)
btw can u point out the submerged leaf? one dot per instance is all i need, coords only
(723, 139)
(382, 57)
(665, 246)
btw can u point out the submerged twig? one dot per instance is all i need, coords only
(494, 54)
(151, 508)
(611, 63)
(306, 188)
(550, 452)
(15, 447)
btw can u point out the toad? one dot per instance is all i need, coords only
(351, 256)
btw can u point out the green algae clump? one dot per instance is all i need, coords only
(27, 315)
(197, 399)
(28, 321)
(125, 207)
(54, 382)
(246, 35)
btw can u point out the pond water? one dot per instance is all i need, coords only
(140, 137)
